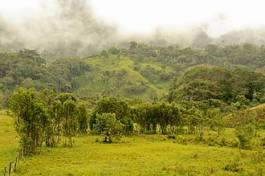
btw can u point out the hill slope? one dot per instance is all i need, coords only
(122, 76)
(136, 70)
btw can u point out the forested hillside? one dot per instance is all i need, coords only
(143, 71)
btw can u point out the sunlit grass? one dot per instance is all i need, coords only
(137, 155)
(8, 140)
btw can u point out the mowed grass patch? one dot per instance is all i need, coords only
(143, 155)
(8, 140)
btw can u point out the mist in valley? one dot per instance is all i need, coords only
(68, 28)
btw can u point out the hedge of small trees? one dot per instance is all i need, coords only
(45, 117)
(31, 119)
(107, 124)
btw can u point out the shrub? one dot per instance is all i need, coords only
(234, 166)
(107, 124)
(31, 118)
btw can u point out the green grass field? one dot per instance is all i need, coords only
(140, 155)
(8, 140)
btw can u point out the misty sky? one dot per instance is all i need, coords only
(144, 16)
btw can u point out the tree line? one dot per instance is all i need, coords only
(27, 68)
(46, 117)
(200, 97)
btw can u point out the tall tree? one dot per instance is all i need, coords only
(31, 118)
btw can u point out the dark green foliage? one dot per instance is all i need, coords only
(26, 68)
(31, 118)
(69, 116)
(218, 84)
(82, 119)
(104, 54)
(56, 111)
(135, 89)
(115, 106)
(157, 66)
(46, 117)
(64, 72)
(234, 166)
(162, 114)
(114, 50)
(107, 124)
(133, 45)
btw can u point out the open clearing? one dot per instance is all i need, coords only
(140, 155)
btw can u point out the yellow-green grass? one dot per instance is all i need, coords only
(138, 155)
(145, 155)
(8, 140)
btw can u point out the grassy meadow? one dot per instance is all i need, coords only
(8, 140)
(138, 155)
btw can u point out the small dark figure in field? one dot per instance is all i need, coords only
(108, 138)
